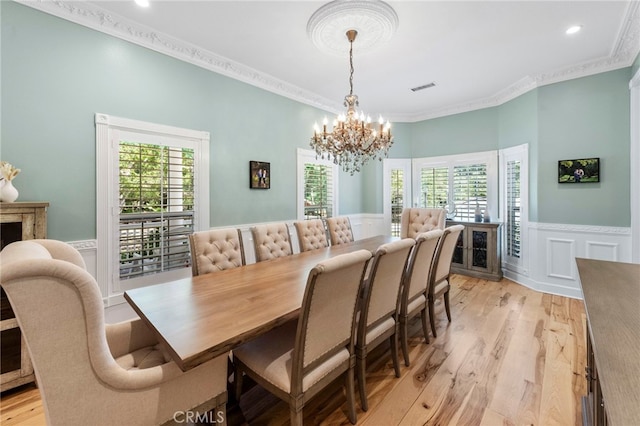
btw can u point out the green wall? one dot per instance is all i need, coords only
(56, 75)
(583, 118)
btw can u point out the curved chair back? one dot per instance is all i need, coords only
(311, 234)
(339, 230)
(215, 250)
(271, 241)
(419, 268)
(444, 254)
(83, 377)
(415, 221)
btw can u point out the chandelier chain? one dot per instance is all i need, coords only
(351, 64)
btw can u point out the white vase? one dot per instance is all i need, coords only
(8, 192)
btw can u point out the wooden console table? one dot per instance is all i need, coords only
(612, 302)
(18, 221)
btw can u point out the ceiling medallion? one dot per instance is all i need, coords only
(374, 20)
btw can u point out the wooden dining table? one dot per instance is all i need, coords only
(202, 317)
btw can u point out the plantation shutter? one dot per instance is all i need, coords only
(434, 187)
(397, 200)
(318, 191)
(513, 222)
(156, 196)
(469, 189)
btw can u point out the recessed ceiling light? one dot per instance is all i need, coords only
(142, 3)
(574, 29)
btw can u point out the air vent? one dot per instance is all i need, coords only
(424, 86)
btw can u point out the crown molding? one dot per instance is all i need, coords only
(623, 53)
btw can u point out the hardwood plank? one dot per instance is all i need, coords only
(511, 356)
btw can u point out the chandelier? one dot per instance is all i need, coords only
(354, 139)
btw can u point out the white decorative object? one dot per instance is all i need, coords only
(375, 20)
(8, 192)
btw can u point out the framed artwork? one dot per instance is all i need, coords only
(259, 175)
(584, 170)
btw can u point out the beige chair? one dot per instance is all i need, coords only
(89, 372)
(378, 320)
(299, 359)
(339, 230)
(271, 241)
(216, 250)
(311, 234)
(414, 292)
(439, 282)
(415, 221)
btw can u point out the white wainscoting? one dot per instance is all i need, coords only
(554, 247)
(551, 266)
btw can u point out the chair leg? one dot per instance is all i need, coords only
(404, 339)
(296, 416)
(350, 389)
(446, 305)
(432, 318)
(425, 329)
(394, 353)
(237, 378)
(361, 371)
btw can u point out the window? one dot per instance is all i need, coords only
(317, 186)
(153, 191)
(461, 182)
(514, 184)
(156, 208)
(396, 192)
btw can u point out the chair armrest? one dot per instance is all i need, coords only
(128, 336)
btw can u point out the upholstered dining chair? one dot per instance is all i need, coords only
(216, 250)
(88, 372)
(271, 241)
(297, 360)
(414, 290)
(439, 281)
(415, 221)
(378, 320)
(311, 234)
(339, 230)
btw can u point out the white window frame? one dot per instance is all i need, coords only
(634, 88)
(490, 158)
(305, 156)
(109, 131)
(519, 153)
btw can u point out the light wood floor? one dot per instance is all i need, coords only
(511, 356)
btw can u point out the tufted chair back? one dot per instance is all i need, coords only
(311, 234)
(339, 230)
(271, 241)
(89, 372)
(216, 250)
(415, 221)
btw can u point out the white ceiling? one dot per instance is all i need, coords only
(478, 53)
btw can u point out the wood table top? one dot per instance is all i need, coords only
(612, 302)
(201, 317)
